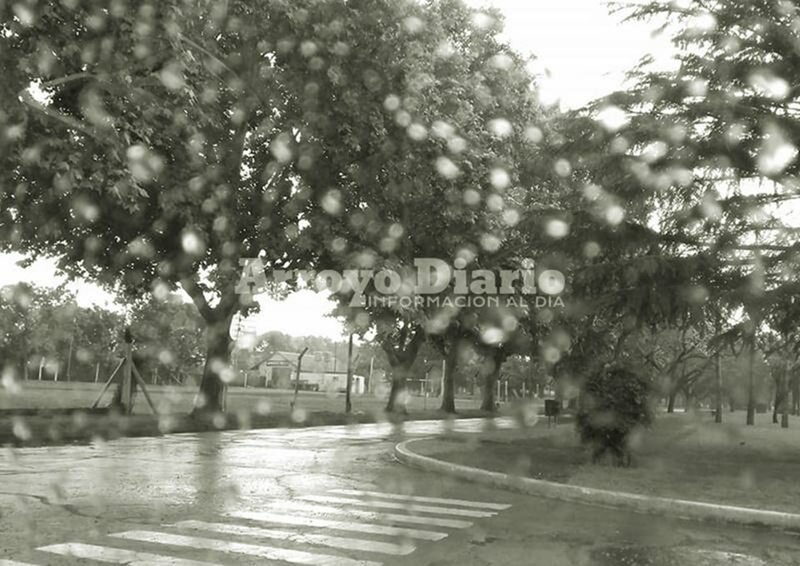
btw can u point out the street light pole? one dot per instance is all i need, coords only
(348, 406)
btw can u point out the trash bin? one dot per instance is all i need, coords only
(552, 408)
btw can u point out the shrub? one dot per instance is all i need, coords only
(614, 402)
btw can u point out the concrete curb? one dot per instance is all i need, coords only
(679, 508)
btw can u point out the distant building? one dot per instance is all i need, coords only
(319, 371)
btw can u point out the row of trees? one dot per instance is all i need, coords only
(46, 334)
(156, 145)
(703, 158)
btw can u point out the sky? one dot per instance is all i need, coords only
(582, 52)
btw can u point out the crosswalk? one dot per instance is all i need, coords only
(339, 527)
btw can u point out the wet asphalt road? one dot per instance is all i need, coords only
(328, 496)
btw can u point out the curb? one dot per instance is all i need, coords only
(679, 508)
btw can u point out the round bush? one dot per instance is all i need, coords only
(614, 402)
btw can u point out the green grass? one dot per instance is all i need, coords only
(681, 456)
(246, 408)
(178, 399)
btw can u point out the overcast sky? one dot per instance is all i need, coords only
(582, 53)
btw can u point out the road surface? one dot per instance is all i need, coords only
(328, 496)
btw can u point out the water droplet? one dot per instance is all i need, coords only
(171, 76)
(499, 178)
(446, 168)
(472, 197)
(776, 152)
(768, 84)
(557, 228)
(192, 243)
(613, 118)
(495, 203)
(511, 217)
(392, 103)
(500, 127)
(417, 132)
(501, 61)
(490, 242)
(615, 214)
(534, 134)
(562, 168)
(413, 24)
(332, 202)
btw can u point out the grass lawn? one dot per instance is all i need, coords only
(179, 399)
(681, 456)
(246, 408)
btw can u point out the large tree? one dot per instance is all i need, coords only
(438, 184)
(679, 182)
(153, 145)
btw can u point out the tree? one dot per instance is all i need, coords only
(45, 327)
(615, 403)
(157, 145)
(169, 338)
(450, 135)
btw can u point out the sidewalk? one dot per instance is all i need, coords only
(550, 463)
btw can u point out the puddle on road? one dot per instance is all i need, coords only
(637, 556)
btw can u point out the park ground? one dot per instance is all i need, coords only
(36, 413)
(682, 456)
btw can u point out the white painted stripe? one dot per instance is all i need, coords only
(268, 552)
(411, 507)
(4, 562)
(315, 509)
(317, 523)
(119, 555)
(421, 499)
(323, 540)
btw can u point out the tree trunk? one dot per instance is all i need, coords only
(795, 386)
(777, 404)
(718, 369)
(488, 404)
(69, 356)
(785, 397)
(751, 385)
(671, 401)
(401, 354)
(218, 356)
(400, 373)
(448, 393)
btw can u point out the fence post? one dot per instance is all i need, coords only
(127, 376)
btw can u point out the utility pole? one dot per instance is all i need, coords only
(335, 352)
(297, 378)
(348, 406)
(444, 370)
(785, 395)
(718, 368)
(235, 353)
(69, 355)
(371, 367)
(751, 383)
(718, 364)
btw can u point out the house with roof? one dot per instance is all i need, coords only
(319, 371)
